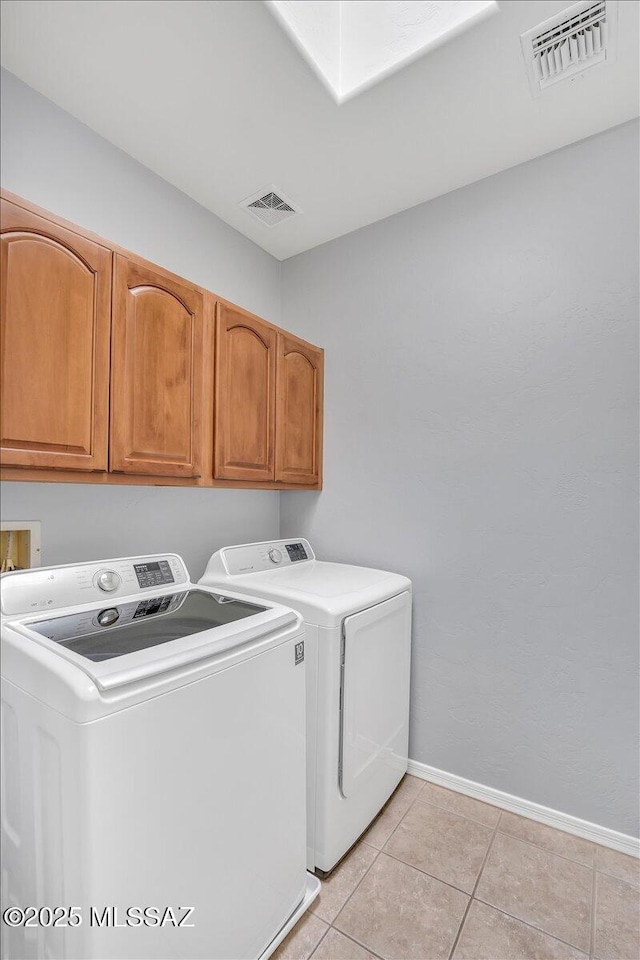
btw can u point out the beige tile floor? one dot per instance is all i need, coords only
(439, 875)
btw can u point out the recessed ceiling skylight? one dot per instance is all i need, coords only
(352, 44)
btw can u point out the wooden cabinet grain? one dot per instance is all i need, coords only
(268, 406)
(116, 371)
(156, 373)
(55, 318)
(299, 379)
(244, 396)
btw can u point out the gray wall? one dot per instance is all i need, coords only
(84, 522)
(480, 437)
(52, 159)
(481, 355)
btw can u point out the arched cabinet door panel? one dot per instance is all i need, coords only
(245, 396)
(300, 368)
(54, 323)
(157, 371)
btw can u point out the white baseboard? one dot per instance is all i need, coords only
(526, 808)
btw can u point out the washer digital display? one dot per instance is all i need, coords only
(296, 551)
(153, 574)
(147, 608)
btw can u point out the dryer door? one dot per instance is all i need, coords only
(375, 692)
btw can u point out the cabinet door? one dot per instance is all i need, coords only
(157, 366)
(245, 396)
(54, 321)
(300, 373)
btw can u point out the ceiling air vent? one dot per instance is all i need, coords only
(270, 206)
(569, 43)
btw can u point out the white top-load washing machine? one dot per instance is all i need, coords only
(358, 647)
(153, 765)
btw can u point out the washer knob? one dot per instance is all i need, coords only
(107, 580)
(275, 555)
(108, 616)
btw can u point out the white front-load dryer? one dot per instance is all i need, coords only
(358, 651)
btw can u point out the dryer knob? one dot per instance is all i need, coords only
(275, 556)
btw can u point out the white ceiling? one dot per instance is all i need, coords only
(215, 98)
(352, 44)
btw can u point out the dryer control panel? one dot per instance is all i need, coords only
(256, 557)
(51, 588)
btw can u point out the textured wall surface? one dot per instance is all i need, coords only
(481, 438)
(83, 522)
(52, 159)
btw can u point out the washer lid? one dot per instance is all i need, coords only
(144, 636)
(323, 593)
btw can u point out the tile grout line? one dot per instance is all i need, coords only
(614, 876)
(524, 816)
(378, 816)
(357, 942)
(426, 873)
(472, 896)
(432, 876)
(320, 940)
(378, 852)
(398, 824)
(353, 891)
(579, 863)
(532, 926)
(530, 843)
(475, 887)
(463, 815)
(626, 845)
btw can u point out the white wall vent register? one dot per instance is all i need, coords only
(270, 206)
(566, 45)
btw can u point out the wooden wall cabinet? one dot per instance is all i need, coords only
(116, 371)
(156, 373)
(268, 409)
(55, 319)
(299, 389)
(245, 396)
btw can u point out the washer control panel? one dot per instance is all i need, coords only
(154, 573)
(254, 557)
(50, 588)
(296, 552)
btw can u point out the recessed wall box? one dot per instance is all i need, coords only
(20, 544)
